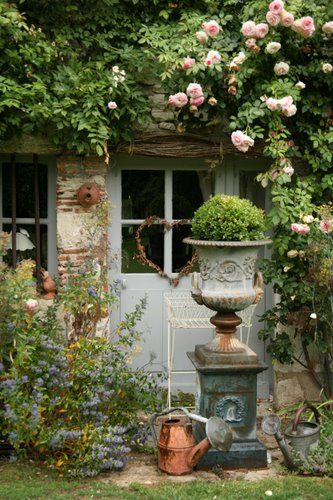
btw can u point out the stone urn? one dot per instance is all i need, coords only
(230, 283)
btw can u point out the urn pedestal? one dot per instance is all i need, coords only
(226, 368)
(229, 391)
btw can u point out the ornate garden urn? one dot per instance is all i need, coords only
(229, 284)
(226, 369)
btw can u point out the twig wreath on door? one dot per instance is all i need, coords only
(142, 258)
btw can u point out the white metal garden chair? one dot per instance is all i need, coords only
(184, 312)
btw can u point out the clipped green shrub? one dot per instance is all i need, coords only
(228, 218)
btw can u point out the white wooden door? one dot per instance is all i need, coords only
(170, 189)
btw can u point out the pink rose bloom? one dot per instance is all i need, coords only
(241, 141)
(286, 18)
(300, 228)
(249, 29)
(211, 28)
(272, 104)
(251, 43)
(276, 6)
(326, 225)
(197, 101)
(261, 30)
(272, 19)
(178, 100)
(288, 170)
(31, 306)
(290, 110)
(194, 90)
(201, 36)
(281, 68)
(188, 62)
(328, 27)
(213, 56)
(112, 105)
(285, 102)
(305, 26)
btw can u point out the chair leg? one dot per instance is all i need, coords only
(169, 366)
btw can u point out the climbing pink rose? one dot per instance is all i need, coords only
(326, 225)
(31, 306)
(300, 228)
(261, 30)
(249, 29)
(197, 101)
(188, 62)
(276, 6)
(286, 18)
(272, 19)
(202, 37)
(112, 105)
(273, 47)
(178, 100)
(272, 104)
(211, 28)
(328, 27)
(212, 57)
(305, 26)
(241, 141)
(290, 110)
(285, 102)
(281, 68)
(251, 43)
(194, 90)
(289, 170)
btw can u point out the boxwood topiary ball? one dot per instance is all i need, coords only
(228, 218)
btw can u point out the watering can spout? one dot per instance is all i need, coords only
(198, 452)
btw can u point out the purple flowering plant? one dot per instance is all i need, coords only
(76, 405)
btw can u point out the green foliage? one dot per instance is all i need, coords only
(16, 288)
(228, 218)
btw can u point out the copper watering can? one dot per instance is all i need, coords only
(300, 437)
(177, 451)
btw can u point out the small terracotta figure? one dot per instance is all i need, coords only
(48, 285)
(88, 194)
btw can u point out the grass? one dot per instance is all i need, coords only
(25, 481)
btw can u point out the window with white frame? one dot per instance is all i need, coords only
(27, 210)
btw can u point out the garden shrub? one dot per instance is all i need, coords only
(72, 401)
(76, 406)
(228, 218)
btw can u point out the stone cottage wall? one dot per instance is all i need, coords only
(72, 218)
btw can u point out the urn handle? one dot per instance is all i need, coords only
(258, 285)
(195, 290)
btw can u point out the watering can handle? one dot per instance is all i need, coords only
(307, 406)
(165, 412)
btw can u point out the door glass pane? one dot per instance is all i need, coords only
(142, 193)
(26, 243)
(181, 252)
(251, 189)
(25, 190)
(189, 190)
(152, 238)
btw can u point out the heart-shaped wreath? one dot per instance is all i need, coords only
(141, 256)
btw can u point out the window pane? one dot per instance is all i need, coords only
(142, 193)
(152, 238)
(189, 191)
(181, 252)
(251, 189)
(25, 239)
(25, 190)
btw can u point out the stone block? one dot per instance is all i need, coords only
(167, 126)
(162, 116)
